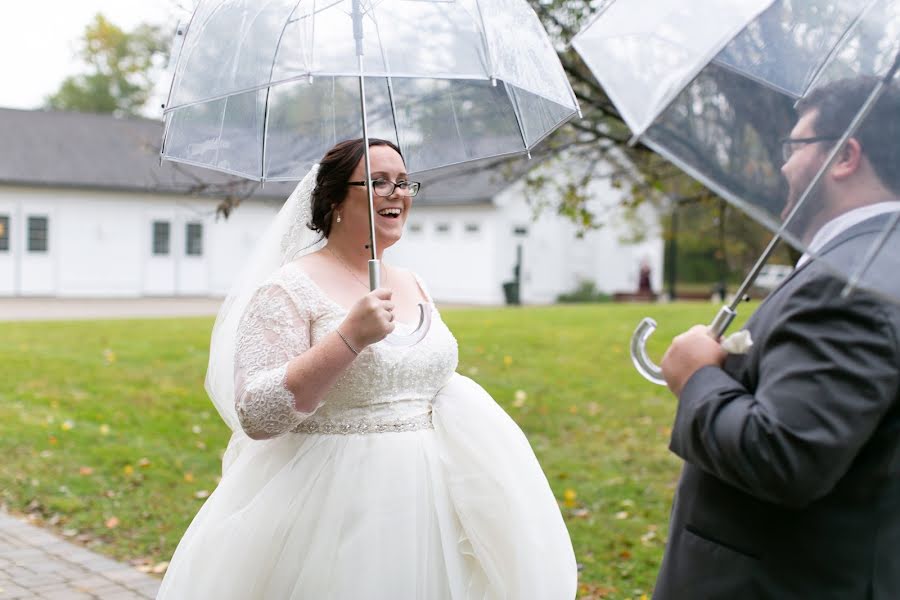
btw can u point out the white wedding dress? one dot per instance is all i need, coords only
(407, 483)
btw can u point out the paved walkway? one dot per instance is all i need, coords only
(40, 309)
(37, 565)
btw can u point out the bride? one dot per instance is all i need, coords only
(359, 469)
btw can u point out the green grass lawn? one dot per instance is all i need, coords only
(108, 437)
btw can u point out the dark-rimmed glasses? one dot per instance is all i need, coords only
(384, 188)
(787, 144)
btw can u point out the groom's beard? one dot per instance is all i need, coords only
(804, 224)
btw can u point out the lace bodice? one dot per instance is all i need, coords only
(387, 388)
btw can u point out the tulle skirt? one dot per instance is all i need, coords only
(459, 512)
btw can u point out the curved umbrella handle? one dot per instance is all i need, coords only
(646, 367)
(421, 330)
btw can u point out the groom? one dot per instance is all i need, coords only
(791, 482)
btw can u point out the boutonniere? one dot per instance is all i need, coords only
(739, 342)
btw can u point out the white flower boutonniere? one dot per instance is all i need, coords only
(738, 342)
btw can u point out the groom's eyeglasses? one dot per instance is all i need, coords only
(384, 188)
(787, 144)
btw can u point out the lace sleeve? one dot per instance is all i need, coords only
(271, 333)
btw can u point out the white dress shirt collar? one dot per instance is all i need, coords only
(842, 223)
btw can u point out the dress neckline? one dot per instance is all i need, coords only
(343, 309)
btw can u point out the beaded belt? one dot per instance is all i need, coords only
(348, 427)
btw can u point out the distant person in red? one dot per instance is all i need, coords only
(644, 286)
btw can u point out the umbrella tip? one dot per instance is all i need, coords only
(493, 81)
(528, 152)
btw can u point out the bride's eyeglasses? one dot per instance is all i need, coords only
(384, 188)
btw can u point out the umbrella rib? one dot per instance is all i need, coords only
(515, 105)
(754, 78)
(390, 83)
(484, 40)
(830, 56)
(265, 136)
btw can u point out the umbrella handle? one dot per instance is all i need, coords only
(646, 367)
(421, 330)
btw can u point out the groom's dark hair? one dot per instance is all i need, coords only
(837, 103)
(335, 169)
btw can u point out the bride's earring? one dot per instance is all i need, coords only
(339, 218)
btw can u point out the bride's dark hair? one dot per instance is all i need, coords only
(335, 169)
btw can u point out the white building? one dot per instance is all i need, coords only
(86, 210)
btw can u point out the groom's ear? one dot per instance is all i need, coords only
(848, 160)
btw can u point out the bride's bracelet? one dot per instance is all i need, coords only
(352, 349)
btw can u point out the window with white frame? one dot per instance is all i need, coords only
(38, 233)
(161, 238)
(4, 233)
(442, 228)
(414, 228)
(194, 239)
(473, 228)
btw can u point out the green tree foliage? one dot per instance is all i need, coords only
(122, 66)
(714, 239)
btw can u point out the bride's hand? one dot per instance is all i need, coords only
(370, 320)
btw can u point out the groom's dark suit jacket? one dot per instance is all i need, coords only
(791, 487)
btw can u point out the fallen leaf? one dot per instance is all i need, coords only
(189, 477)
(160, 568)
(112, 523)
(67, 426)
(104, 429)
(196, 429)
(85, 471)
(520, 398)
(201, 494)
(622, 515)
(144, 463)
(128, 470)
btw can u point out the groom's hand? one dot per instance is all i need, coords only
(688, 353)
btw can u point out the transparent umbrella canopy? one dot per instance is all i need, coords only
(714, 85)
(262, 88)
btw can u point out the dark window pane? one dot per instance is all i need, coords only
(4, 233)
(194, 239)
(473, 227)
(37, 234)
(443, 227)
(160, 237)
(520, 231)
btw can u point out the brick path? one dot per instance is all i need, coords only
(38, 565)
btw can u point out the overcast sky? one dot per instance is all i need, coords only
(39, 41)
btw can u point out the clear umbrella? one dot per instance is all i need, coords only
(715, 86)
(262, 88)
